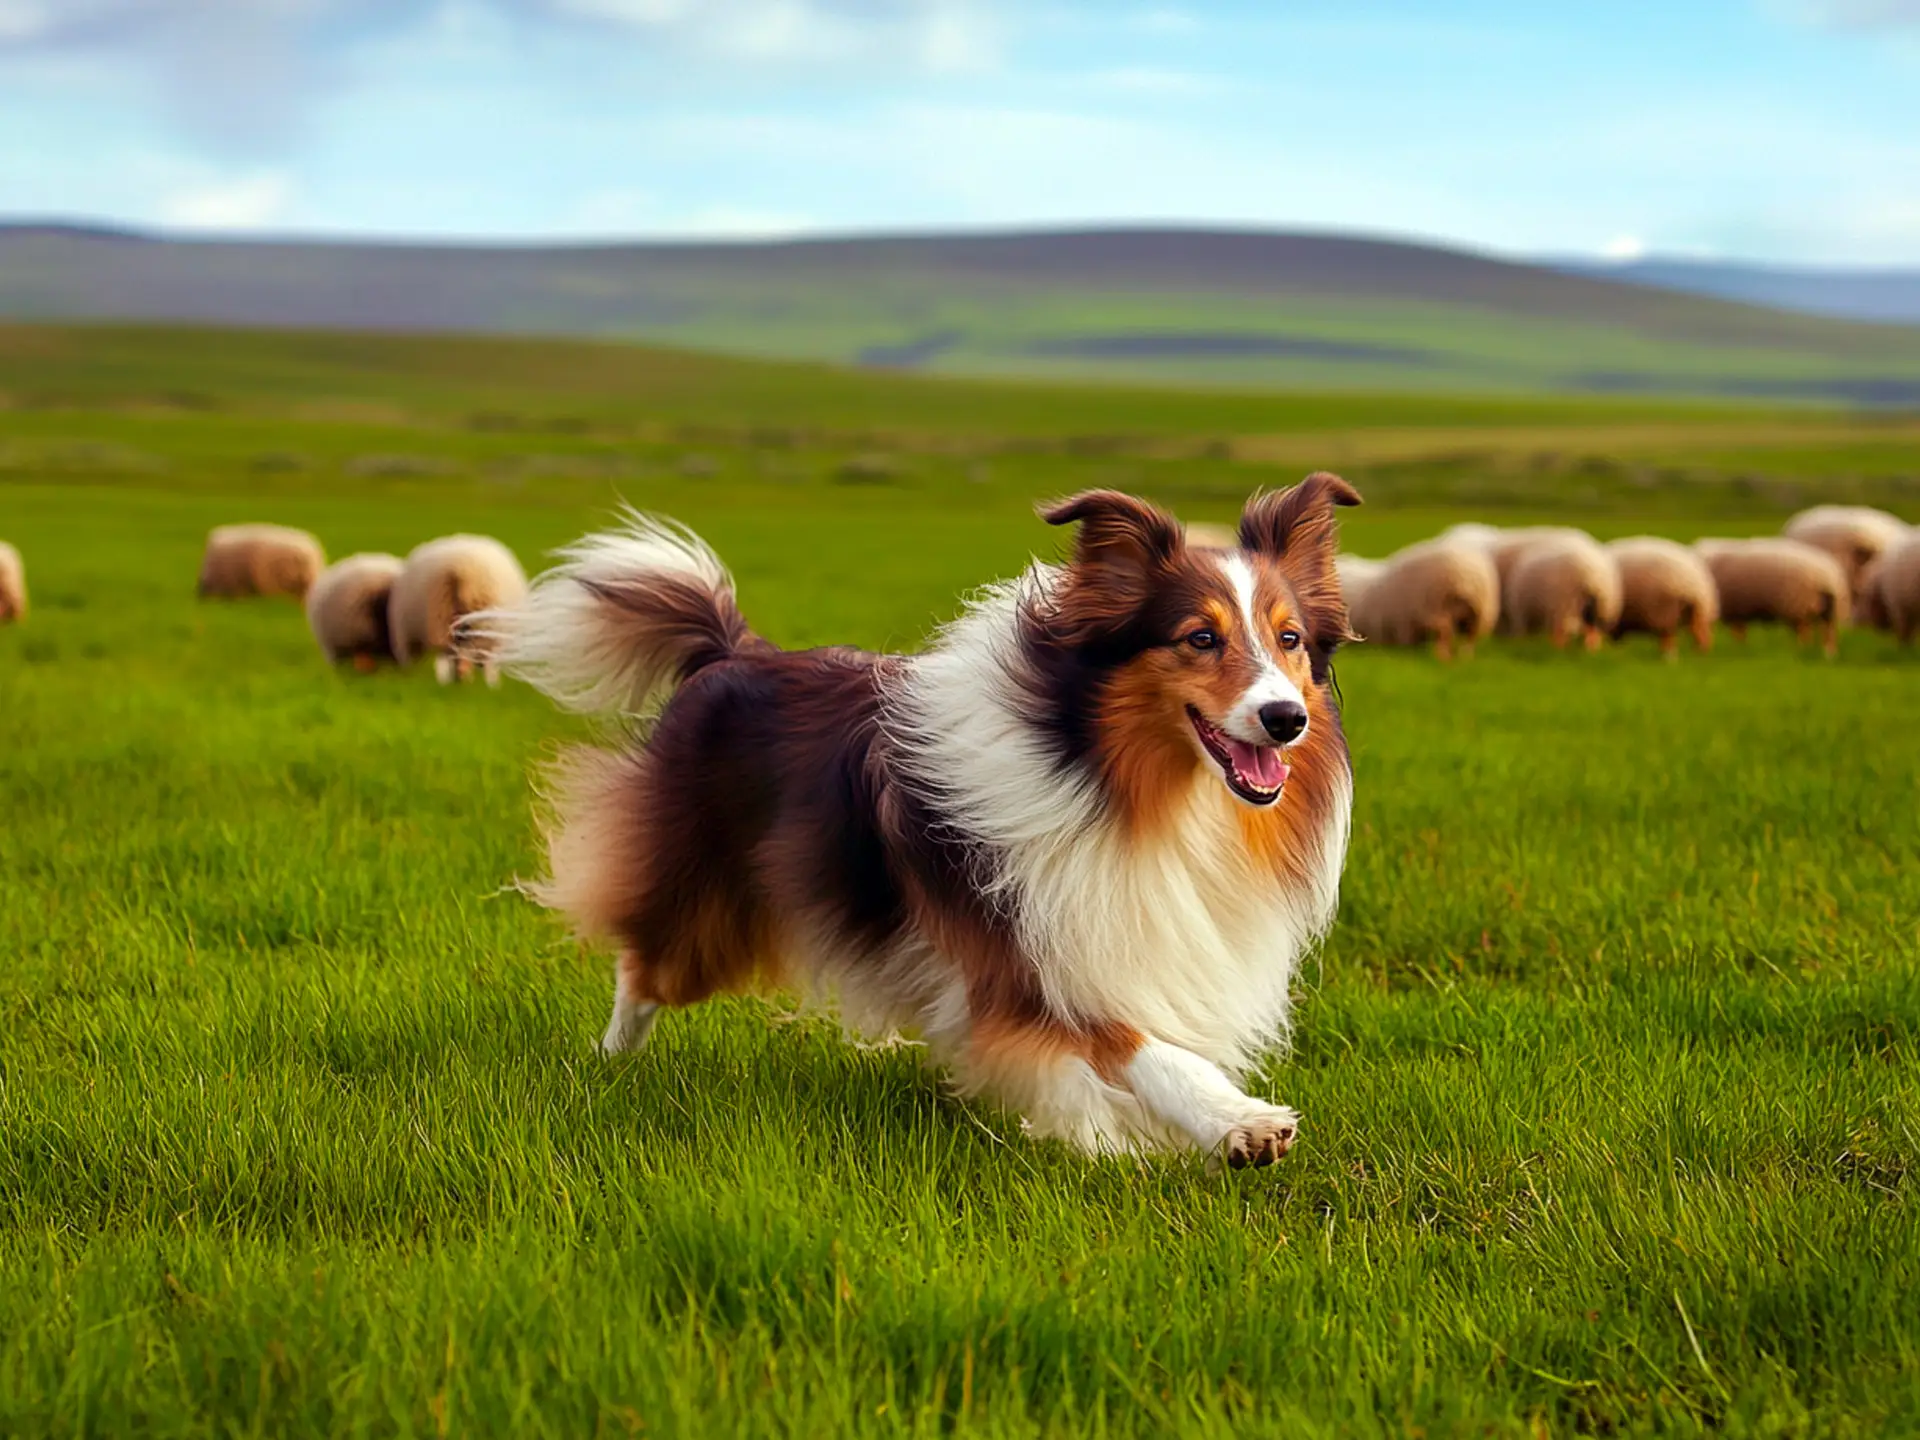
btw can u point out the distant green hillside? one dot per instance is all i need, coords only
(1243, 310)
(553, 421)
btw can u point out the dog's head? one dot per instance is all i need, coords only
(1190, 656)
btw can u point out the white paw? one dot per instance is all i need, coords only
(1262, 1137)
(628, 1029)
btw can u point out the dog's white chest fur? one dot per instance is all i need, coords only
(1183, 936)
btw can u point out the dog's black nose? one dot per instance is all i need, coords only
(1284, 720)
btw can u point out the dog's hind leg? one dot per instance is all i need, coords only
(633, 1016)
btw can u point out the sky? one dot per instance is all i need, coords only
(1772, 130)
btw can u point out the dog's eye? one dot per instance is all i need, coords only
(1289, 639)
(1203, 640)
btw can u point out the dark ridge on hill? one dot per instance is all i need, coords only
(73, 272)
(1252, 308)
(1879, 296)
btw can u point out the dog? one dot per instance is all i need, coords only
(1078, 845)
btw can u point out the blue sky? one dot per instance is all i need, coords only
(1767, 129)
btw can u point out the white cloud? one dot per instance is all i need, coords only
(936, 35)
(243, 202)
(1165, 22)
(1148, 80)
(21, 21)
(1624, 249)
(1864, 14)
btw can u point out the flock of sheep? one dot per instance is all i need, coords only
(370, 608)
(1830, 564)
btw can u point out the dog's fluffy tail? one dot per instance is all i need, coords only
(625, 617)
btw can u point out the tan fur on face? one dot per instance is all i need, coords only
(1150, 755)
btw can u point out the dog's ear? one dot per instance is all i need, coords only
(1124, 544)
(1296, 530)
(1296, 519)
(1116, 529)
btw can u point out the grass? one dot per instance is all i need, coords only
(1611, 1068)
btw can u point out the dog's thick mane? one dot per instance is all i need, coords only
(1186, 930)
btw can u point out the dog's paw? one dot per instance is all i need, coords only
(1262, 1139)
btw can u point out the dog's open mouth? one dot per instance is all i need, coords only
(1256, 773)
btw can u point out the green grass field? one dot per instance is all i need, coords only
(1610, 1070)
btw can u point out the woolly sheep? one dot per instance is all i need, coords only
(13, 585)
(1664, 588)
(1435, 590)
(1870, 605)
(1563, 584)
(1207, 535)
(1505, 547)
(442, 581)
(1356, 573)
(1854, 535)
(347, 609)
(1777, 580)
(259, 560)
(1897, 588)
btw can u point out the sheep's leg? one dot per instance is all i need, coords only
(443, 668)
(1702, 633)
(1739, 629)
(1802, 632)
(1561, 634)
(633, 1017)
(365, 663)
(1594, 639)
(492, 672)
(1830, 638)
(1669, 645)
(1443, 640)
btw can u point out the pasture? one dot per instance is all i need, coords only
(1610, 1070)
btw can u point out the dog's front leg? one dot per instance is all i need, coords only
(1194, 1097)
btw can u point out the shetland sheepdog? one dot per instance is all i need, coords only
(1077, 846)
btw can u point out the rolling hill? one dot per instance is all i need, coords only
(1212, 308)
(1885, 296)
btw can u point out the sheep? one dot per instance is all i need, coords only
(1562, 584)
(1506, 546)
(442, 581)
(1781, 580)
(1870, 604)
(1356, 573)
(1205, 535)
(1434, 590)
(245, 560)
(1855, 535)
(1664, 587)
(1896, 588)
(13, 585)
(347, 609)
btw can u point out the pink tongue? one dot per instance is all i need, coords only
(1260, 765)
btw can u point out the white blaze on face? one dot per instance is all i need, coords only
(1271, 683)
